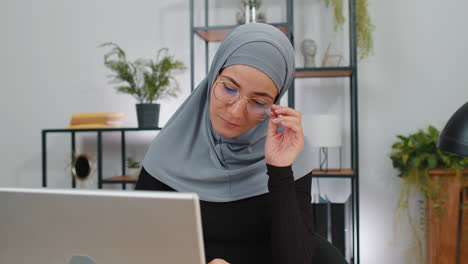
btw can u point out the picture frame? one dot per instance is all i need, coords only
(331, 60)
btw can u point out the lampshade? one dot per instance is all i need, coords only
(454, 136)
(322, 130)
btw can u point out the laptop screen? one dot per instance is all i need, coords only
(60, 226)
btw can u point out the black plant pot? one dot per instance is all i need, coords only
(148, 115)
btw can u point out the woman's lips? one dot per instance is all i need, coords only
(227, 123)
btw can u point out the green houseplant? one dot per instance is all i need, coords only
(133, 167)
(414, 156)
(364, 26)
(145, 79)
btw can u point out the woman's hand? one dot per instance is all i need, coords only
(281, 149)
(218, 261)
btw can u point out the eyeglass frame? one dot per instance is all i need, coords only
(239, 97)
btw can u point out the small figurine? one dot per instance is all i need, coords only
(309, 50)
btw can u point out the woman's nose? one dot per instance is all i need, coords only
(239, 107)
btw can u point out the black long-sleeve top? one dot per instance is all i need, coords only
(275, 227)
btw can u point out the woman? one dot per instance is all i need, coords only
(224, 144)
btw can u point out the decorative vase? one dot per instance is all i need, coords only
(133, 172)
(148, 115)
(249, 13)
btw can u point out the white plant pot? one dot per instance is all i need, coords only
(133, 172)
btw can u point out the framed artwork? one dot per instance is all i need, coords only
(330, 59)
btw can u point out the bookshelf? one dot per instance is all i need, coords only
(209, 33)
(123, 179)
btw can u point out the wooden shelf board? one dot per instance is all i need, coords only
(344, 172)
(323, 73)
(218, 34)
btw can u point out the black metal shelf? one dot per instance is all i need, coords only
(208, 34)
(99, 132)
(338, 173)
(114, 129)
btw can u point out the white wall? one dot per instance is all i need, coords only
(417, 77)
(50, 67)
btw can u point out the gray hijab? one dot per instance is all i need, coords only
(189, 156)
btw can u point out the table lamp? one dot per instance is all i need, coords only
(324, 131)
(454, 136)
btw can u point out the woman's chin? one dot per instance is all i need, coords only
(226, 133)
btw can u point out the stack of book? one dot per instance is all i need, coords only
(96, 120)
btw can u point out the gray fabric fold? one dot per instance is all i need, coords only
(189, 156)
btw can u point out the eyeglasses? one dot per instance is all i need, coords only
(228, 93)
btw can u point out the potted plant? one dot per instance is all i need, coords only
(364, 26)
(145, 79)
(133, 167)
(425, 169)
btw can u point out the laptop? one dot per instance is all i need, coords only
(48, 226)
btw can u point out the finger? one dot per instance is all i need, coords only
(290, 122)
(284, 110)
(291, 127)
(289, 119)
(272, 127)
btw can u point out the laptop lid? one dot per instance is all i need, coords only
(45, 226)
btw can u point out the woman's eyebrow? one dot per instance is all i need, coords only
(237, 84)
(231, 80)
(264, 94)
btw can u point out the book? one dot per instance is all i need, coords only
(105, 118)
(93, 125)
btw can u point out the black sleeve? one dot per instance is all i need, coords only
(293, 239)
(149, 183)
(291, 223)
